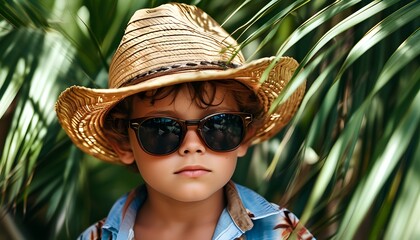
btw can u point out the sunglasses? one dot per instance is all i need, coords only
(221, 132)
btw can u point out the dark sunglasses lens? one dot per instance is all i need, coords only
(160, 135)
(223, 132)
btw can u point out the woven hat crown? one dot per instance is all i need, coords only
(175, 37)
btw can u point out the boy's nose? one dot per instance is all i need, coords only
(192, 142)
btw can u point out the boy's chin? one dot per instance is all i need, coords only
(194, 192)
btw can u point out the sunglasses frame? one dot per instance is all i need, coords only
(135, 124)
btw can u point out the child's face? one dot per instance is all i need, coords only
(165, 174)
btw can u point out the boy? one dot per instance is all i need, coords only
(181, 110)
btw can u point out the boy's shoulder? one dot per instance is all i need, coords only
(93, 232)
(269, 220)
(108, 227)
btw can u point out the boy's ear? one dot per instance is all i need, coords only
(123, 150)
(243, 149)
(246, 142)
(249, 134)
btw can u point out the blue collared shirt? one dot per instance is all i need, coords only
(246, 216)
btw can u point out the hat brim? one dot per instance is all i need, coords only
(81, 111)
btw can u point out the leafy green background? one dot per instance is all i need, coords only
(348, 164)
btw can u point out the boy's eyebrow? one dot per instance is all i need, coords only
(159, 112)
(208, 111)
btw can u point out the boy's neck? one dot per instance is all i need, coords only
(162, 210)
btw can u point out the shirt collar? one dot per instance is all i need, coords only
(243, 206)
(236, 209)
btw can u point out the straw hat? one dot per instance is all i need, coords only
(167, 45)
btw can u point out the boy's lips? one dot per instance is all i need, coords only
(192, 171)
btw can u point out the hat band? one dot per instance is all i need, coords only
(202, 65)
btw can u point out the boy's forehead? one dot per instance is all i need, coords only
(199, 90)
(184, 99)
(205, 93)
